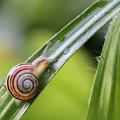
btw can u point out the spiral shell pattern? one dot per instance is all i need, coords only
(22, 82)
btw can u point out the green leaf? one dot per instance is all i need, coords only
(105, 99)
(63, 45)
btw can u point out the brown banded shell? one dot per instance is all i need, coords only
(22, 82)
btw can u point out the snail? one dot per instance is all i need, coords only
(22, 80)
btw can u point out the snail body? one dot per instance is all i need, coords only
(22, 80)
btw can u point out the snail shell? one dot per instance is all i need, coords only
(22, 82)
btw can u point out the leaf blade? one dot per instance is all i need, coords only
(104, 103)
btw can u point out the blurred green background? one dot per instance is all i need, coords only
(25, 25)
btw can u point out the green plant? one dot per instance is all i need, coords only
(105, 103)
(63, 45)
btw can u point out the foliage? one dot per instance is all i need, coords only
(63, 45)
